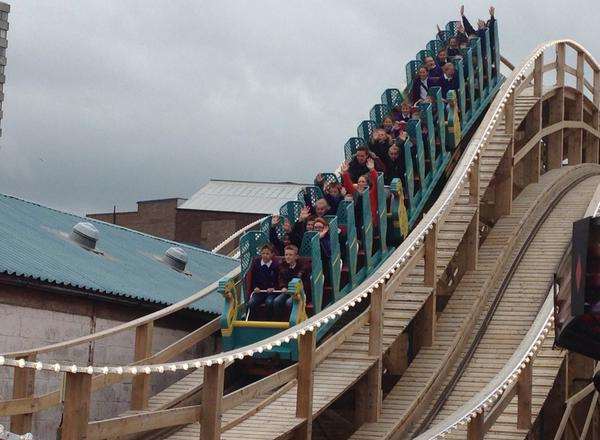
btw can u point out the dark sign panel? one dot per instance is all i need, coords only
(577, 295)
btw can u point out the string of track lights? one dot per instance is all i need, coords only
(315, 322)
(6, 435)
(494, 395)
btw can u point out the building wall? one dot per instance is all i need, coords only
(154, 217)
(162, 219)
(209, 228)
(33, 318)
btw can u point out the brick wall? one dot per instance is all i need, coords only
(209, 228)
(154, 217)
(162, 219)
(42, 318)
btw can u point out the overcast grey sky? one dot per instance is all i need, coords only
(110, 102)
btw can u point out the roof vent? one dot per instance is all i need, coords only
(85, 234)
(176, 258)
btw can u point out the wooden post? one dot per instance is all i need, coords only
(538, 75)
(23, 387)
(212, 398)
(472, 242)
(580, 71)
(503, 181)
(76, 412)
(374, 396)
(560, 64)
(474, 184)
(573, 137)
(509, 115)
(594, 147)
(140, 386)
(396, 358)
(556, 139)
(475, 428)
(524, 390)
(304, 397)
(430, 276)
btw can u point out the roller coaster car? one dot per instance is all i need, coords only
(577, 294)
(237, 330)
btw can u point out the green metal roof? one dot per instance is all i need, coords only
(35, 243)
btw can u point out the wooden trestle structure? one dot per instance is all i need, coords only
(445, 295)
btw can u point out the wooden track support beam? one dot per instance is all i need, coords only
(76, 412)
(430, 275)
(374, 396)
(503, 180)
(304, 396)
(472, 242)
(524, 394)
(593, 146)
(475, 428)
(395, 360)
(555, 141)
(23, 387)
(474, 184)
(560, 64)
(538, 75)
(140, 386)
(212, 402)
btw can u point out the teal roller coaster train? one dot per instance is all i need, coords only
(358, 252)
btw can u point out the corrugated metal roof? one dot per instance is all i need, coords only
(245, 197)
(35, 243)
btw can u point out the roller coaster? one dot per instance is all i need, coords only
(437, 322)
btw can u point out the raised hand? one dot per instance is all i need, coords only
(345, 166)
(370, 164)
(319, 177)
(274, 219)
(438, 28)
(492, 10)
(304, 213)
(462, 10)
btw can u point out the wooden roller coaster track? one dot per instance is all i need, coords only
(527, 127)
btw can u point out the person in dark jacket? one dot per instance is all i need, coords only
(461, 35)
(380, 142)
(441, 59)
(289, 269)
(358, 165)
(334, 194)
(421, 84)
(432, 67)
(264, 272)
(453, 49)
(449, 80)
(394, 165)
(481, 24)
(401, 114)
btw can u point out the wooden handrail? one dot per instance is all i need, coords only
(135, 423)
(48, 400)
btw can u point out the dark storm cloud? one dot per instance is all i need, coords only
(112, 102)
